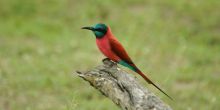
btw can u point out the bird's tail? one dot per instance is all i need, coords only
(150, 82)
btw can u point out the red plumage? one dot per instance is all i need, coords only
(113, 49)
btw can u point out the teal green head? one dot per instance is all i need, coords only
(99, 30)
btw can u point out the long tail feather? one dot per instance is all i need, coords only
(133, 67)
(150, 82)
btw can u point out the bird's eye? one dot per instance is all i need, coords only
(102, 30)
(99, 29)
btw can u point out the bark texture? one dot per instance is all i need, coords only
(122, 88)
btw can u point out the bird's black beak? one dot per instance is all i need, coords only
(88, 28)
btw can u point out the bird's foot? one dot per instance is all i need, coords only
(105, 59)
(109, 62)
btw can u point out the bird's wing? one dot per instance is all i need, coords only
(119, 50)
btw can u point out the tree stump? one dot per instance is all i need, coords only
(122, 88)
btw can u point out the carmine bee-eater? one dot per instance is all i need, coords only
(112, 48)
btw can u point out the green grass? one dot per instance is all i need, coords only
(176, 42)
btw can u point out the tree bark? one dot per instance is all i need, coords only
(122, 88)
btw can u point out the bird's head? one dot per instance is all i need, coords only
(99, 29)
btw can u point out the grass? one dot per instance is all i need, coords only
(176, 43)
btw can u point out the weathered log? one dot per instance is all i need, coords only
(122, 88)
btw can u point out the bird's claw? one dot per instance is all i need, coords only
(105, 59)
(109, 62)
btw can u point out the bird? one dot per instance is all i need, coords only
(113, 49)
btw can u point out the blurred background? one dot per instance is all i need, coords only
(175, 42)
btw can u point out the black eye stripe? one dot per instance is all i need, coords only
(100, 30)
